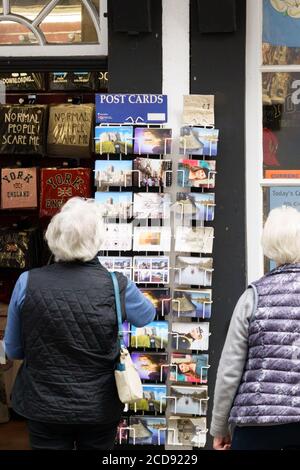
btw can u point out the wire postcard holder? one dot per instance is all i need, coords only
(178, 310)
(163, 303)
(2, 353)
(121, 433)
(185, 215)
(199, 440)
(134, 145)
(201, 400)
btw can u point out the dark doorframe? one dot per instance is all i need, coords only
(218, 68)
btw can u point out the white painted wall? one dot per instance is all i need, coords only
(176, 59)
(176, 83)
(254, 150)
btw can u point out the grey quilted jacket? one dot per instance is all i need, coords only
(269, 392)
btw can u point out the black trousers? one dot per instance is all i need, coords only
(52, 436)
(277, 437)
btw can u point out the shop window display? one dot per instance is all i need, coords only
(34, 185)
(277, 196)
(281, 105)
(281, 122)
(281, 28)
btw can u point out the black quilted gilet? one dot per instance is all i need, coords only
(69, 331)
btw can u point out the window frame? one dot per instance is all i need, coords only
(255, 183)
(61, 50)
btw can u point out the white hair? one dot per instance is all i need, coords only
(77, 231)
(281, 235)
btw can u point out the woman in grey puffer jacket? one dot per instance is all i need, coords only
(257, 393)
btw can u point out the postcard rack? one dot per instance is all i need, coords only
(172, 353)
(164, 434)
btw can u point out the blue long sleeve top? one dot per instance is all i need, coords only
(139, 312)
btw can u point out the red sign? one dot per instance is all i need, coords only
(59, 185)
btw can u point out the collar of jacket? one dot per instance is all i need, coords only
(285, 268)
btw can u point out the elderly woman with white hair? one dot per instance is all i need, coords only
(62, 322)
(257, 392)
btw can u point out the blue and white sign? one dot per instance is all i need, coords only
(285, 196)
(139, 109)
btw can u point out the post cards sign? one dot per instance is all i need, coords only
(18, 188)
(122, 108)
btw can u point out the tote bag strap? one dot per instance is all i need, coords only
(118, 308)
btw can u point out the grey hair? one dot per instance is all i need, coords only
(77, 231)
(281, 235)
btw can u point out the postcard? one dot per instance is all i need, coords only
(147, 430)
(152, 239)
(190, 336)
(154, 335)
(198, 110)
(152, 173)
(152, 140)
(122, 432)
(121, 264)
(198, 141)
(151, 205)
(154, 399)
(186, 367)
(194, 239)
(118, 237)
(192, 303)
(114, 139)
(149, 365)
(188, 400)
(188, 432)
(160, 299)
(115, 204)
(151, 270)
(112, 173)
(190, 270)
(195, 206)
(196, 173)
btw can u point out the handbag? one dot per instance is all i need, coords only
(128, 381)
